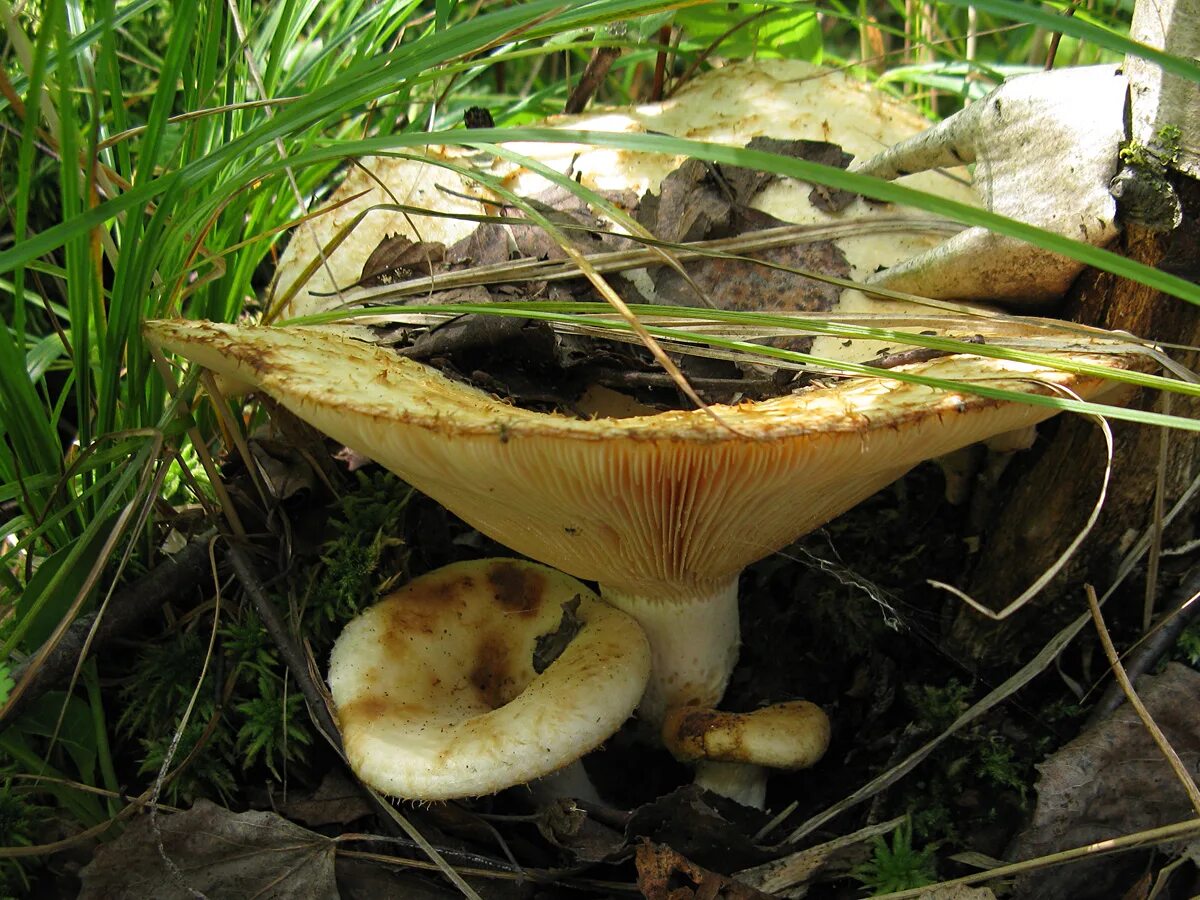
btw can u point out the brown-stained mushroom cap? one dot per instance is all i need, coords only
(792, 735)
(438, 690)
(732, 752)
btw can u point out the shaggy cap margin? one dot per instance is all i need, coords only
(670, 505)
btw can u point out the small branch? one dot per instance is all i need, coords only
(593, 76)
(1055, 38)
(1164, 745)
(1158, 640)
(660, 65)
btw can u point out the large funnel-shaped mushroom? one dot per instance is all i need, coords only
(663, 511)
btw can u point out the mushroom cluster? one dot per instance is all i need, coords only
(662, 511)
(665, 510)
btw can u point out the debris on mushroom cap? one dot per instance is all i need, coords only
(672, 505)
(792, 735)
(782, 99)
(437, 687)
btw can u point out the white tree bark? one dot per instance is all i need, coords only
(1158, 99)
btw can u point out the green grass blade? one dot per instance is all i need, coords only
(1034, 14)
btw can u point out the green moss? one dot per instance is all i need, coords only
(363, 556)
(274, 726)
(896, 866)
(937, 706)
(1157, 155)
(996, 762)
(1187, 647)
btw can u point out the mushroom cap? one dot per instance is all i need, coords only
(783, 99)
(793, 735)
(669, 506)
(436, 689)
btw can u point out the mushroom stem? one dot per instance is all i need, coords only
(572, 780)
(744, 783)
(693, 645)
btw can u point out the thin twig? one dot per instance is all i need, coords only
(1164, 745)
(708, 51)
(660, 64)
(1052, 50)
(1157, 641)
(593, 76)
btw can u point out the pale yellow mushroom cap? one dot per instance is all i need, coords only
(436, 689)
(731, 752)
(668, 506)
(792, 735)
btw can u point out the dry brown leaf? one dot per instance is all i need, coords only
(209, 851)
(664, 874)
(1111, 781)
(957, 892)
(336, 801)
(398, 258)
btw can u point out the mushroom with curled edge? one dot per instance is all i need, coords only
(445, 687)
(663, 511)
(731, 752)
(1045, 148)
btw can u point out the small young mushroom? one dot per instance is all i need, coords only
(731, 752)
(450, 686)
